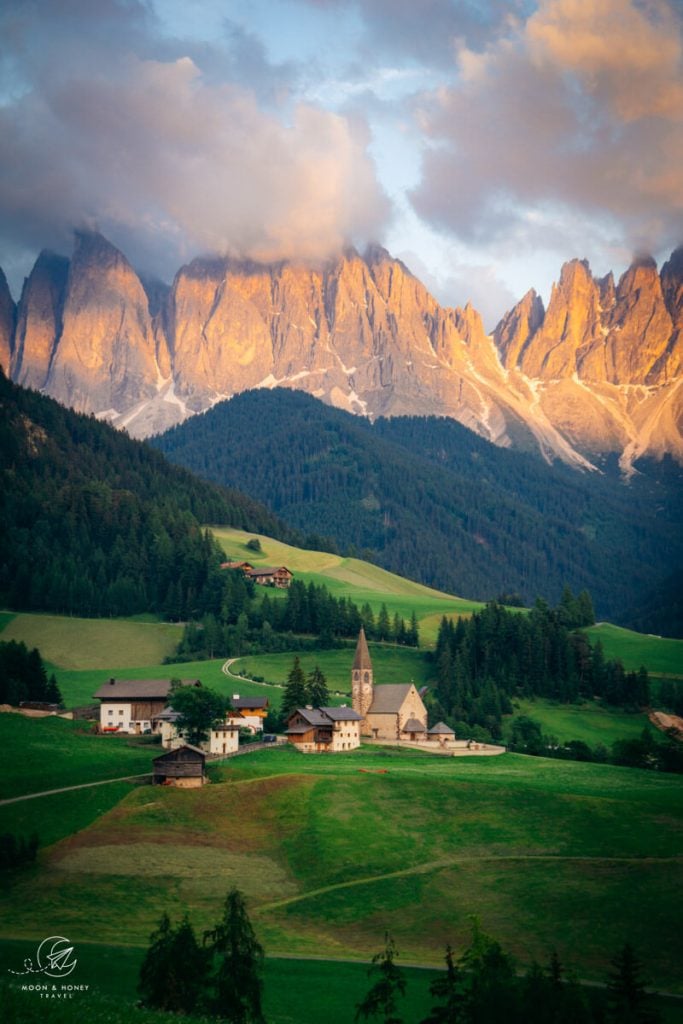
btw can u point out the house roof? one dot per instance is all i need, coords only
(167, 715)
(139, 689)
(388, 699)
(236, 565)
(440, 729)
(342, 714)
(314, 716)
(179, 752)
(249, 702)
(268, 570)
(298, 730)
(362, 658)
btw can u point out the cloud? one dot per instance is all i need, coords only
(574, 116)
(111, 126)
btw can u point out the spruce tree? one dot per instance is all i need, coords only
(237, 981)
(380, 1002)
(174, 972)
(294, 695)
(628, 1000)
(318, 692)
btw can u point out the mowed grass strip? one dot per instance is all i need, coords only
(659, 655)
(48, 753)
(333, 856)
(110, 644)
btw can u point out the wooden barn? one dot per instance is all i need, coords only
(272, 576)
(182, 767)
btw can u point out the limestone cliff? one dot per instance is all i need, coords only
(7, 318)
(598, 371)
(39, 320)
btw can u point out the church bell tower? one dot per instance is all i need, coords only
(361, 677)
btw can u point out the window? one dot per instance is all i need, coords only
(111, 711)
(121, 712)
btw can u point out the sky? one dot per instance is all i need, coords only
(482, 142)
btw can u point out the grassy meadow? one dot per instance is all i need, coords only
(546, 853)
(662, 656)
(591, 722)
(72, 643)
(352, 578)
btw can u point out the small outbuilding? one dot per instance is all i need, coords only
(183, 767)
(441, 732)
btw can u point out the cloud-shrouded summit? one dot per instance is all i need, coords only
(486, 142)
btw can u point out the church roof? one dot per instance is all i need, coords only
(413, 725)
(362, 658)
(387, 699)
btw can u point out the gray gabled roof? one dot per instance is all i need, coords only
(387, 699)
(249, 702)
(139, 689)
(314, 716)
(440, 729)
(342, 714)
(413, 725)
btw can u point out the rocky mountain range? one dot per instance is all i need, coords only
(597, 372)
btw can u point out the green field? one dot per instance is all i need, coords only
(590, 721)
(351, 578)
(67, 642)
(390, 664)
(48, 753)
(660, 655)
(580, 857)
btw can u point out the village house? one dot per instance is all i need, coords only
(248, 713)
(393, 711)
(131, 705)
(324, 730)
(223, 737)
(244, 566)
(271, 576)
(183, 767)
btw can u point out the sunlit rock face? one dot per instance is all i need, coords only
(598, 371)
(7, 317)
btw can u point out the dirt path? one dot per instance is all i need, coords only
(66, 789)
(437, 865)
(226, 669)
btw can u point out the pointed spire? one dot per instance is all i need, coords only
(362, 658)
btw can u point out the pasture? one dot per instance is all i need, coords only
(72, 643)
(579, 857)
(661, 656)
(590, 721)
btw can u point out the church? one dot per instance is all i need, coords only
(393, 711)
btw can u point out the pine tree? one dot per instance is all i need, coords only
(628, 1000)
(380, 1001)
(237, 982)
(294, 694)
(174, 972)
(447, 990)
(318, 693)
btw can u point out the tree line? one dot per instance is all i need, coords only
(243, 618)
(23, 676)
(96, 524)
(481, 664)
(483, 986)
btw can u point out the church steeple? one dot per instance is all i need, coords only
(361, 677)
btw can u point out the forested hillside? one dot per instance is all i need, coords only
(429, 499)
(94, 523)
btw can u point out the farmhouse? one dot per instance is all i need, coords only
(271, 576)
(324, 730)
(183, 767)
(394, 711)
(130, 705)
(244, 566)
(223, 737)
(248, 712)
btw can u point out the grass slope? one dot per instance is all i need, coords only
(350, 577)
(661, 656)
(590, 721)
(580, 857)
(73, 643)
(48, 753)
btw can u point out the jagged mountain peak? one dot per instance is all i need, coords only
(362, 333)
